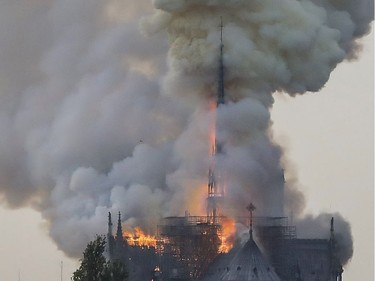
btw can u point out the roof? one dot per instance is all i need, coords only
(244, 263)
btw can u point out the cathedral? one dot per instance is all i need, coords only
(190, 248)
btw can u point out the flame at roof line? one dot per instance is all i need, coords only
(139, 238)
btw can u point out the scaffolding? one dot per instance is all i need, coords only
(273, 234)
(188, 245)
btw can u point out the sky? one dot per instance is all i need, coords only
(328, 138)
(333, 151)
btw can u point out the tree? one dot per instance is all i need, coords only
(116, 271)
(95, 267)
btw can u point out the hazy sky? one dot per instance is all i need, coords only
(331, 146)
(329, 140)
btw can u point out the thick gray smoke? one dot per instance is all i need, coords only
(311, 227)
(96, 115)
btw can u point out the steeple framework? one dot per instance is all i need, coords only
(110, 225)
(220, 92)
(119, 237)
(251, 208)
(336, 269)
(215, 180)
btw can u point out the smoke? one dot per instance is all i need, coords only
(97, 116)
(311, 227)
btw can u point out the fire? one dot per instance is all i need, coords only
(196, 202)
(139, 238)
(228, 235)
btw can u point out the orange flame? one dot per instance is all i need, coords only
(139, 238)
(228, 235)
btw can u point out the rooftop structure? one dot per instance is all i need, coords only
(243, 263)
(192, 241)
(187, 249)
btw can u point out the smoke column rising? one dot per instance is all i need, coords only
(96, 116)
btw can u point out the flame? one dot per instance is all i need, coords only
(228, 235)
(196, 202)
(139, 238)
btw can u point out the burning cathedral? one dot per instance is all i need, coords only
(149, 109)
(213, 247)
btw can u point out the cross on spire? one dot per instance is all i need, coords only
(251, 208)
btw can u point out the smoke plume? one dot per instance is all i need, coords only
(311, 227)
(105, 104)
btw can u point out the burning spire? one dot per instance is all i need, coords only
(215, 184)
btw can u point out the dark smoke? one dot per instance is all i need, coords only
(311, 227)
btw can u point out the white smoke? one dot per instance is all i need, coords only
(91, 122)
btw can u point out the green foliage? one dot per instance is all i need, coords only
(95, 267)
(116, 271)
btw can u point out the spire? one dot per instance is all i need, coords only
(332, 242)
(332, 228)
(215, 189)
(119, 228)
(109, 223)
(335, 265)
(110, 237)
(220, 92)
(251, 208)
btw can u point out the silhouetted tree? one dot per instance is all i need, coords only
(116, 271)
(95, 267)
